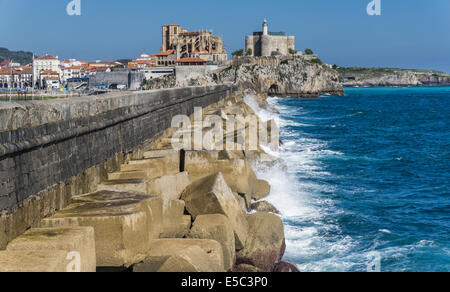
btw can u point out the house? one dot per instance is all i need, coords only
(50, 79)
(45, 63)
(167, 58)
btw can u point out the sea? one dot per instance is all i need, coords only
(363, 182)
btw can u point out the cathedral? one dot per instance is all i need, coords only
(193, 44)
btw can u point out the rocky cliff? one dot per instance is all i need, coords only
(372, 77)
(297, 76)
(285, 76)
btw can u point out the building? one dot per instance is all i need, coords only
(125, 79)
(166, 58)
(45, 63)
(190, 68)
(50, 79)
(72, 72)
(266, 43)
(193, 44)
(20, 77)
(9, 64)
(157, 72)
(144, 61)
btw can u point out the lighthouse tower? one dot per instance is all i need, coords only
(265, 27)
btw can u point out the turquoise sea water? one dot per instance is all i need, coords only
(368, 177)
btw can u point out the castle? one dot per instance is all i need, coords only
(267, 43)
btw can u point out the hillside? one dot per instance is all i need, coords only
(19, 57)
(363, 76)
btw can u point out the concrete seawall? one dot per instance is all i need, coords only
(53, 150)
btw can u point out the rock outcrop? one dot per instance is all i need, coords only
(284, 76)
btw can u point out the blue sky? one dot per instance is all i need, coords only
(410, 33)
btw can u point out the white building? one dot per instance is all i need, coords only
(45, 63)
(20, 77)
(73, 72)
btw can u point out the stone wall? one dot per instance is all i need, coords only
(185, 73)
(53, 150)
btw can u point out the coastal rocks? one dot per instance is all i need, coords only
(211, 195)
(284, 267)
(265, 244)
(204, 256)
(68, 239)
(287, 76)
(264, 206)
(216, 227)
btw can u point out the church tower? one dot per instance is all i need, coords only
(265, 27)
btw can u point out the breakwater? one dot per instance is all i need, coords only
(53, 150)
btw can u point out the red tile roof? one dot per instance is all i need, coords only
(166, 53)
(47, 57)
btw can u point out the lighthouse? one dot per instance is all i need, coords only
(265, 27)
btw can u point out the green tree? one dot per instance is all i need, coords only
(292, 52)
(249, 52)
(238, 53)
(309, 52)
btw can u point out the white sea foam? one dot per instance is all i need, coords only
(300, 199)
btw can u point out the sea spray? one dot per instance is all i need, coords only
(292, 193)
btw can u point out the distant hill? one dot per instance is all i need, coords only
(364, 73)
(367, 77)
(20, 57)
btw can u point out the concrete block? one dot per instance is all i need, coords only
(34, 261)
(121, 227)
(211, 195)
(161, 250)
(77, 240)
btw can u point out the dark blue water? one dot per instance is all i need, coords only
(368, 177)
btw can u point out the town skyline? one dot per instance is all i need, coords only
(341, 33)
